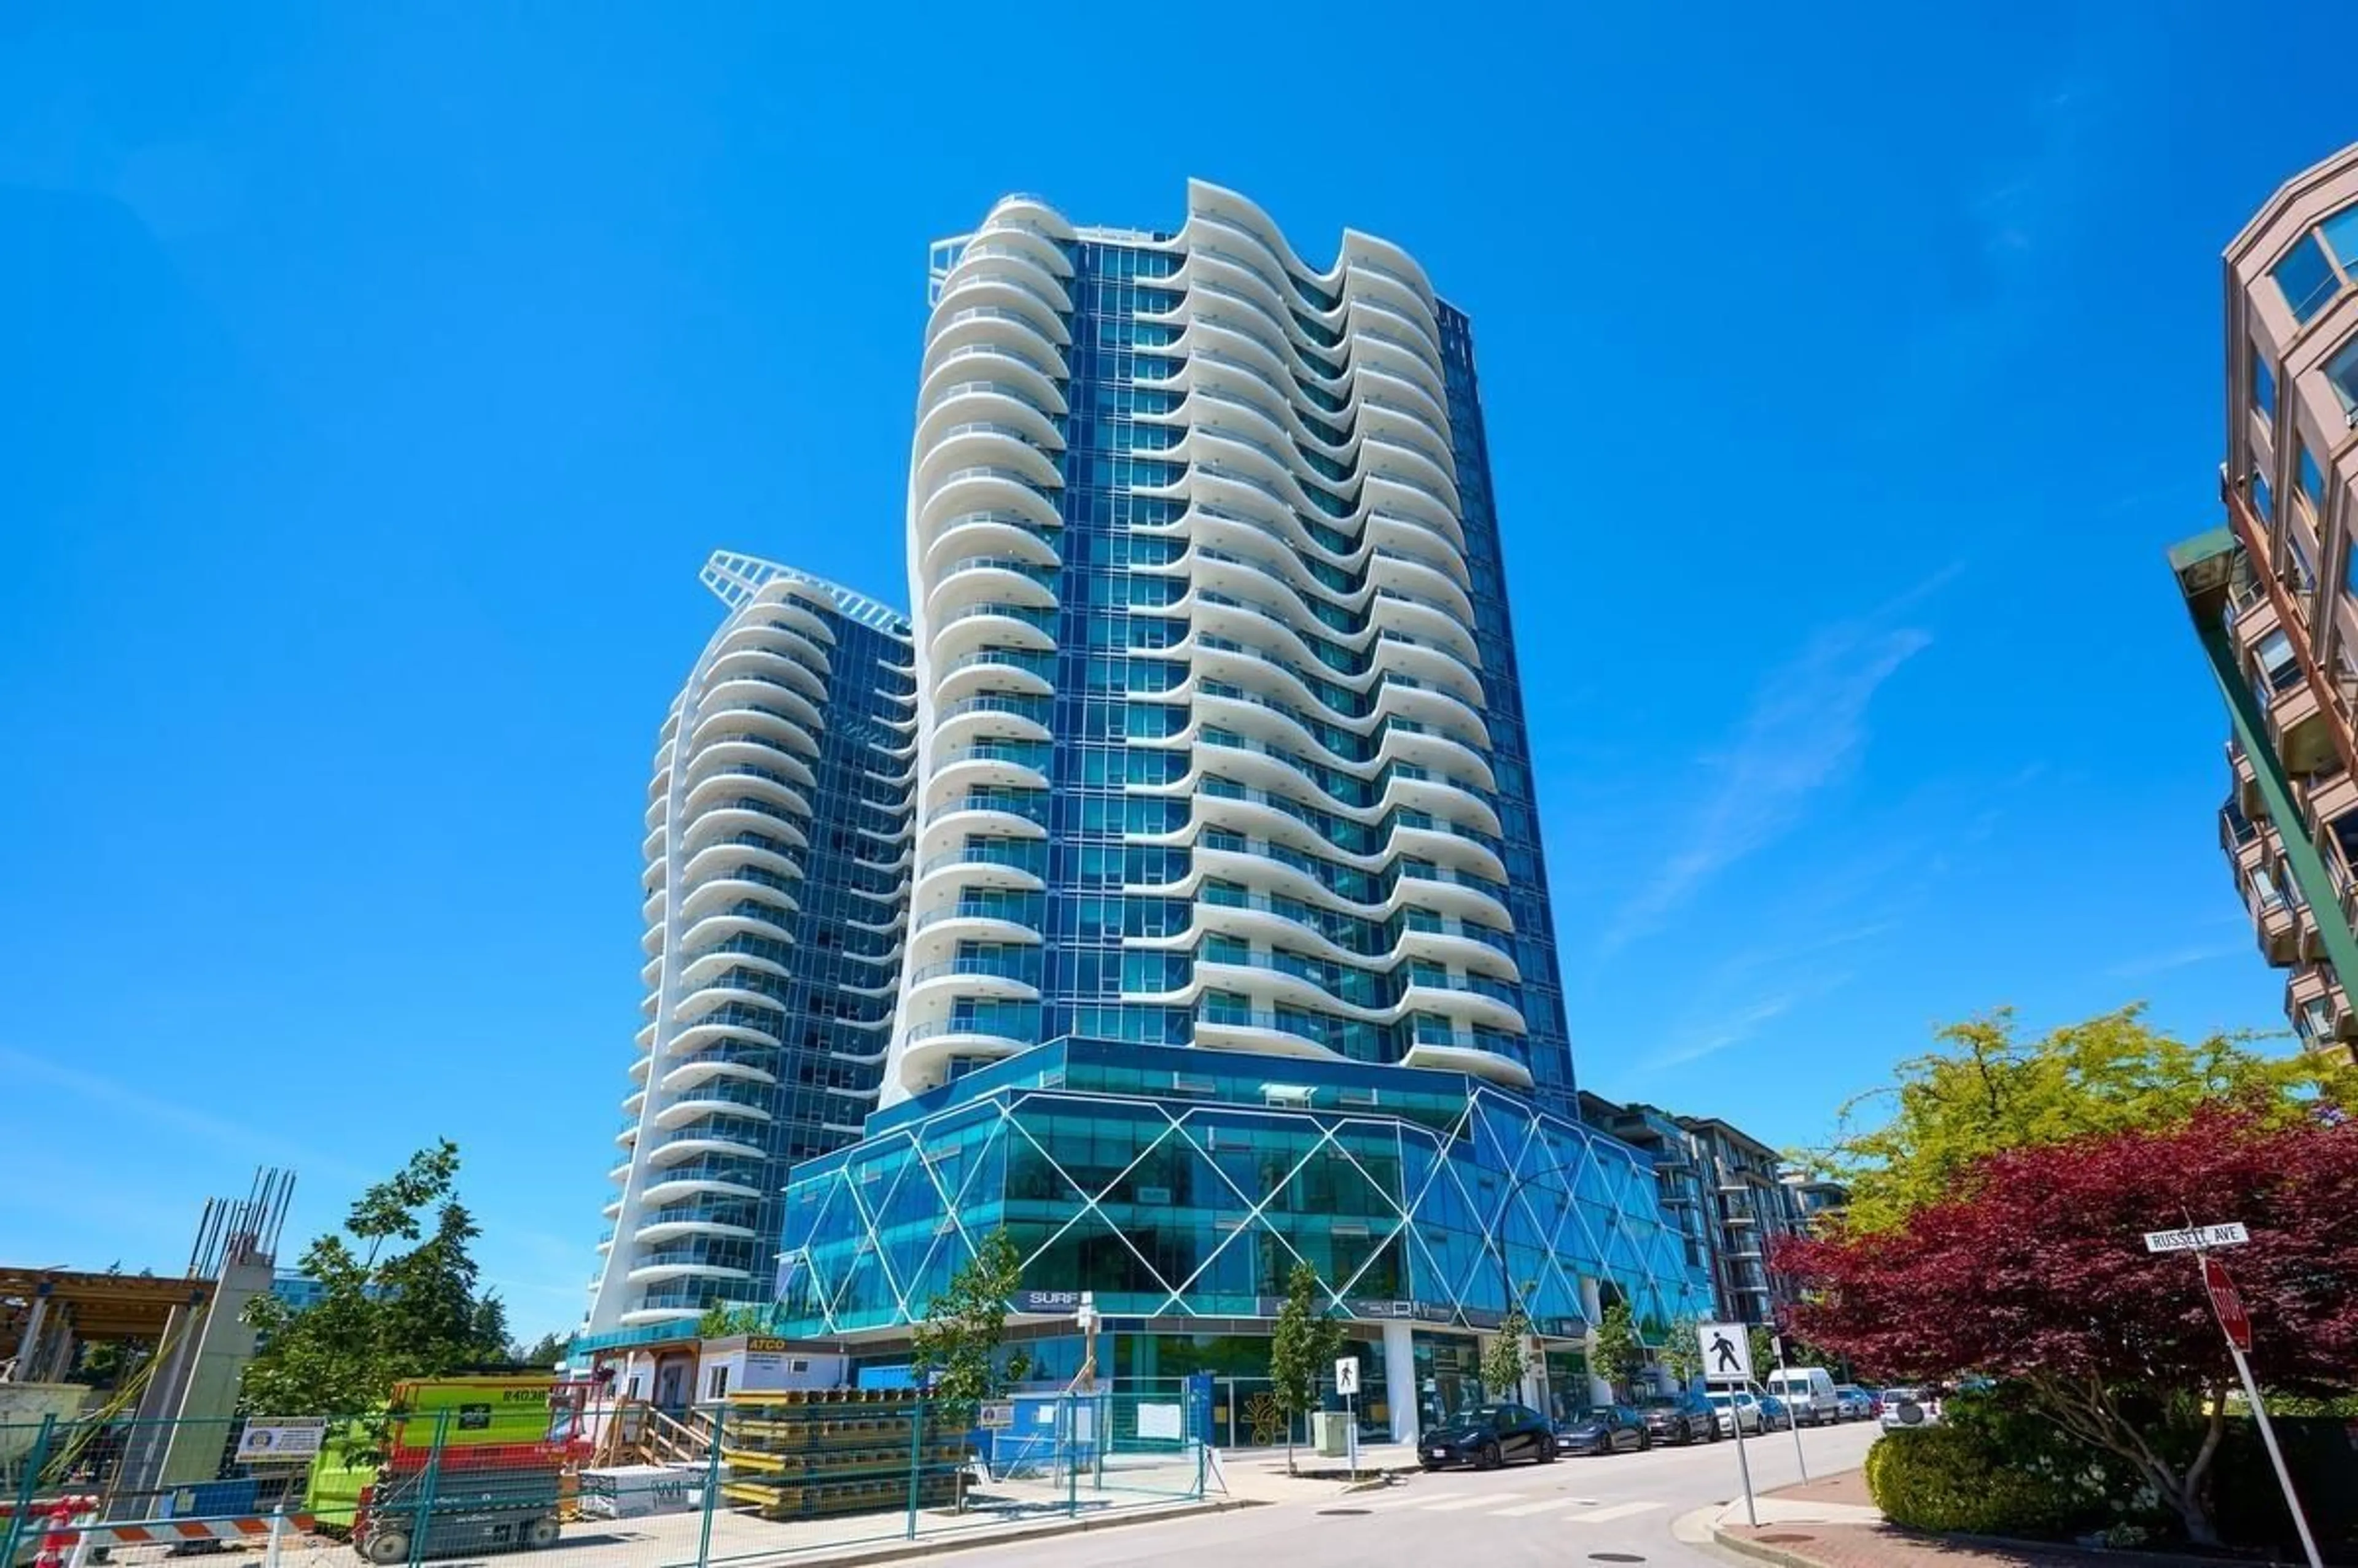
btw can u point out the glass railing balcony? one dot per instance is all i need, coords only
(1040, 620)
(739, 1172)
(727, 1091)
(1006, 389)
(1028, 570)
(1032, 806)
(1039, 710)
(998, 351)
(987, 470)
(990, 1030)
(704, 1211)
(1031, 856)
(961, 911)
(994, 968)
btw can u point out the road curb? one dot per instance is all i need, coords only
(1759, 1553)
(904, 1550)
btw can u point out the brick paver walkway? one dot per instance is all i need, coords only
(1881, 1546)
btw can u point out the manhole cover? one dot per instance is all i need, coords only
(1784, 1539)
(1615, 1557)
(1343, 1513)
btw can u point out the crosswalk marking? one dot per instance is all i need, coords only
(1471, 1500)
(1618, 1511)
(1539, 1508)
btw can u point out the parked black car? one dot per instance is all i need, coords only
(1614, 1429)
(1681, 1418)
(1488, 1437)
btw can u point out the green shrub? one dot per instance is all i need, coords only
(1957, 1477)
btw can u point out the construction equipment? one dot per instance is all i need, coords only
(471, 1465)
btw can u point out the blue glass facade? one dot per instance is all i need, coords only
(1182, 1185)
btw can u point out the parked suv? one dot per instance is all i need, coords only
(1681, 1418)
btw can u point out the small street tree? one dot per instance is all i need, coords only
(383, 1312)
(1621, 1354)
(956, 1343)
(546, 1351)
(1985, 1089)
(1505, 1359)
(2035, 1273)
(956, 1346)
(1682, 1352)
(1303, 1344)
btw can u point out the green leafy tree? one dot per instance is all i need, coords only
(1985, 1090)
(1764, 1351)
(1682, 1352)
(956, 1346)
(1303, 1344)
(1505, 1359)
(384, 1313)
(1620, 1355)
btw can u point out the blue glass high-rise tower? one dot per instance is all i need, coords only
(1229, 945)
(1221, 742)
(777, 883)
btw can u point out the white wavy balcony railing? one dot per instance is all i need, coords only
(1255, 816)
(1259, 977)
(1260, 914)
(1450, 843)
(1372, 604)
(1440, 890)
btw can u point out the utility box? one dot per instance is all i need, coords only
(1330, 1433)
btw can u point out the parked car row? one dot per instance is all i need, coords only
(1492, 1435)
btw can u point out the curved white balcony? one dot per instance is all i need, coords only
(1471, 1059)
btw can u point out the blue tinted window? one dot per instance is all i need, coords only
(2340, 233)
(2264, 385)
(2312, 483)
(2264, 497)
(2341, 370)
(2306, 277)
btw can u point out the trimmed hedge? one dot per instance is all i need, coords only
(1958, 1478)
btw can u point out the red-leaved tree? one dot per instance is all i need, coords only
(2036, 1271)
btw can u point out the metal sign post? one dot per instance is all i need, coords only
(1346, 1383)
(2235, 1323)
(1776, 1341)
(1727, 1358)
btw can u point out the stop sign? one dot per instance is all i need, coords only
(2228, 1303)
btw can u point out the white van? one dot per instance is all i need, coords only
(1809, 1393)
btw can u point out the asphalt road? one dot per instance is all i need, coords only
(1567, 1512)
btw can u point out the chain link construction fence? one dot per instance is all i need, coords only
(755, 1478)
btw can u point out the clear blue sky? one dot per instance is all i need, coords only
(373, 379)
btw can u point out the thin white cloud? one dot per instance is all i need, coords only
(1805, 732)
(251, 1143)
(2175, 958)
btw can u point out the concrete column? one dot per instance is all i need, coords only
(28, 1347)
(1592, 1307)
(1399, 1379)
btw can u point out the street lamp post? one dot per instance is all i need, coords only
(1508, 1293)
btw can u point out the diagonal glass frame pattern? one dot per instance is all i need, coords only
(1174, 1209)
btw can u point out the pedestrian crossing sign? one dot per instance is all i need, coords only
(1726, 1352)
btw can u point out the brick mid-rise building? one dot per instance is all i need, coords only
(2274, 592)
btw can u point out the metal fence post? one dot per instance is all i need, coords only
(916, 1458)
(711, 1487)
(427, 1485)
(1072, 1424)
(28, 1482)
(277, 1536)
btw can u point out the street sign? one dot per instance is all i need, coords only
(997, 1416)
(2228, 1303)
(1726, 1352)
(2195, 1238)
(1347, 1376)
